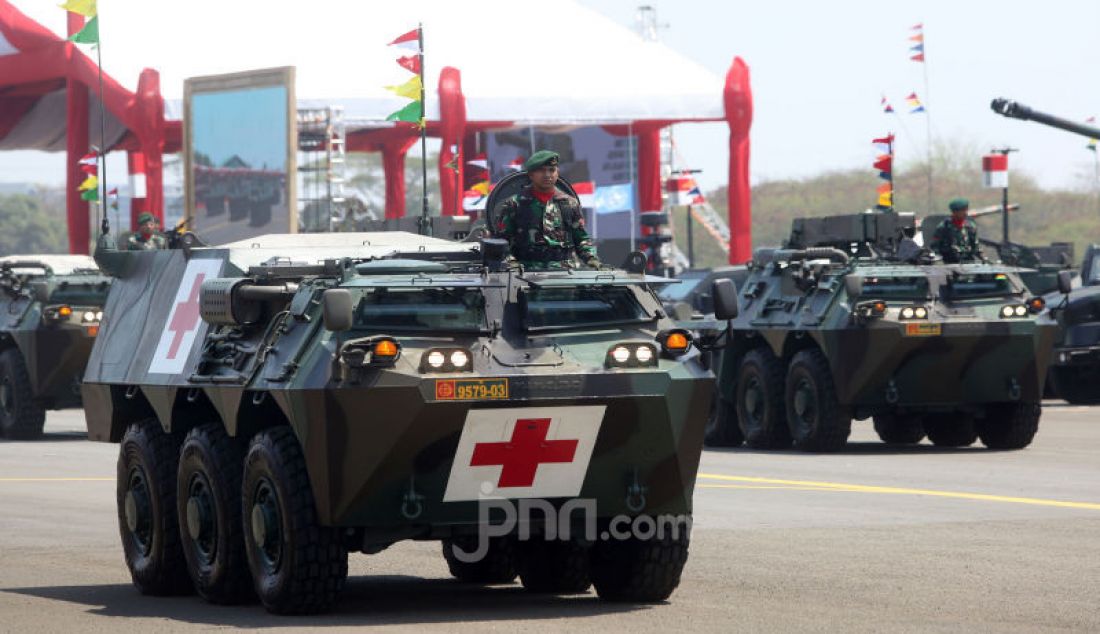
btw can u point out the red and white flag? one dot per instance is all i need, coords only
(586, 193)
(524, 452)
(409, 41)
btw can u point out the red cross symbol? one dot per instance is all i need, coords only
(521, 456)
(185, 316)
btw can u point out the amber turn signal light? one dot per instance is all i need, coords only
(384, 348)
(1036, 304)
(674, 342)
(64, 311)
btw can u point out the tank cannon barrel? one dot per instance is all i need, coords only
(1016, 110)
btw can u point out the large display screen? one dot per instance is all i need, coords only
(239, 154)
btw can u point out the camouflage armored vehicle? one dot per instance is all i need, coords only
(285, 400)
(692, 296)
(853, 320)
(1075, 369)
(51, 307)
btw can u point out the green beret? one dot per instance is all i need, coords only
(958, 204)
(540, 158)
(146, 217)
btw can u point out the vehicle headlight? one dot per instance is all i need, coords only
(459, 358)
(436, 359)
(1007, 311)
(907, 313)
(99, 315)
(632, 355)
(921, 312)
(1020, 311)
(1014, 310)
(446, 360)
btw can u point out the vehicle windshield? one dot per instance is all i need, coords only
(445, 309)
(581, 306)
(678, 292)
(908, 287)
(978, 285)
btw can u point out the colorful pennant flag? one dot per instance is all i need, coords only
(87, 35)
(88, 164)
(515, 165)
(914, 103)
(85, 8)
(918, 50)
(683, 190)
(480, 163)
(884, 163)
(413, 89)
(410, 63)
(410, 40)
(410, 113)
(113, 197)
(91, 182)
(886, 107)
(409, 90)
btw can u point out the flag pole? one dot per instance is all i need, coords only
(105, 225)
(425, 218)
(927, 115)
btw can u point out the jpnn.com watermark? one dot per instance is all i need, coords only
(535, 518)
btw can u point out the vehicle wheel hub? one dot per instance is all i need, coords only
(137, 509)
(804, 401)
(200, 518)
(753, 399)
(266, 526)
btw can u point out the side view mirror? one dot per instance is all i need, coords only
(336, 309)
(853, 285)
(1065, 282)
(725, 299)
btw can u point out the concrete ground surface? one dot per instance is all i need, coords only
(875, 538)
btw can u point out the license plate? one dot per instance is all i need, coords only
(471, 389)
(922, 330)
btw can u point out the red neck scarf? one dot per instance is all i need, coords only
(959, 222)
(542, 197)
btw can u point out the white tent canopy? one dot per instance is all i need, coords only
(530, 63)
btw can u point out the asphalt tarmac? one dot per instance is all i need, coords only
(875, 538)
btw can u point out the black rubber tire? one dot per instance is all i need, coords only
(722, 427)
(554, 566)
(302, 567)
(1009, 425)
(899, 429)
(210, 468)
(21, 418)
(1076, 386)
(823, 425)
(499, 565)
(146, 497)
(637, 570)
(950, 430)
(759, 400)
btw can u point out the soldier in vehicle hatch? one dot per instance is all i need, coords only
(956, 238)
(146, 237)
(543, 225)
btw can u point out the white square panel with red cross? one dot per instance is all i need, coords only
(183, 323)
(524, 452)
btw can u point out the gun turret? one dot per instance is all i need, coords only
(879, 233)
(1016, 110)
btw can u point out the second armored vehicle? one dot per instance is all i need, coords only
(50, 308)
(853, 320)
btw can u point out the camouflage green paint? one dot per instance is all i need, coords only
(374, 437)
(532, 227)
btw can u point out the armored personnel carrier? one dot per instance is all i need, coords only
(51, 306)
(1075, 370)
(852, 320)
(282, 401)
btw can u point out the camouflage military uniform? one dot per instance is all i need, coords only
(138, 242)
(956, 244)
(545, 236)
